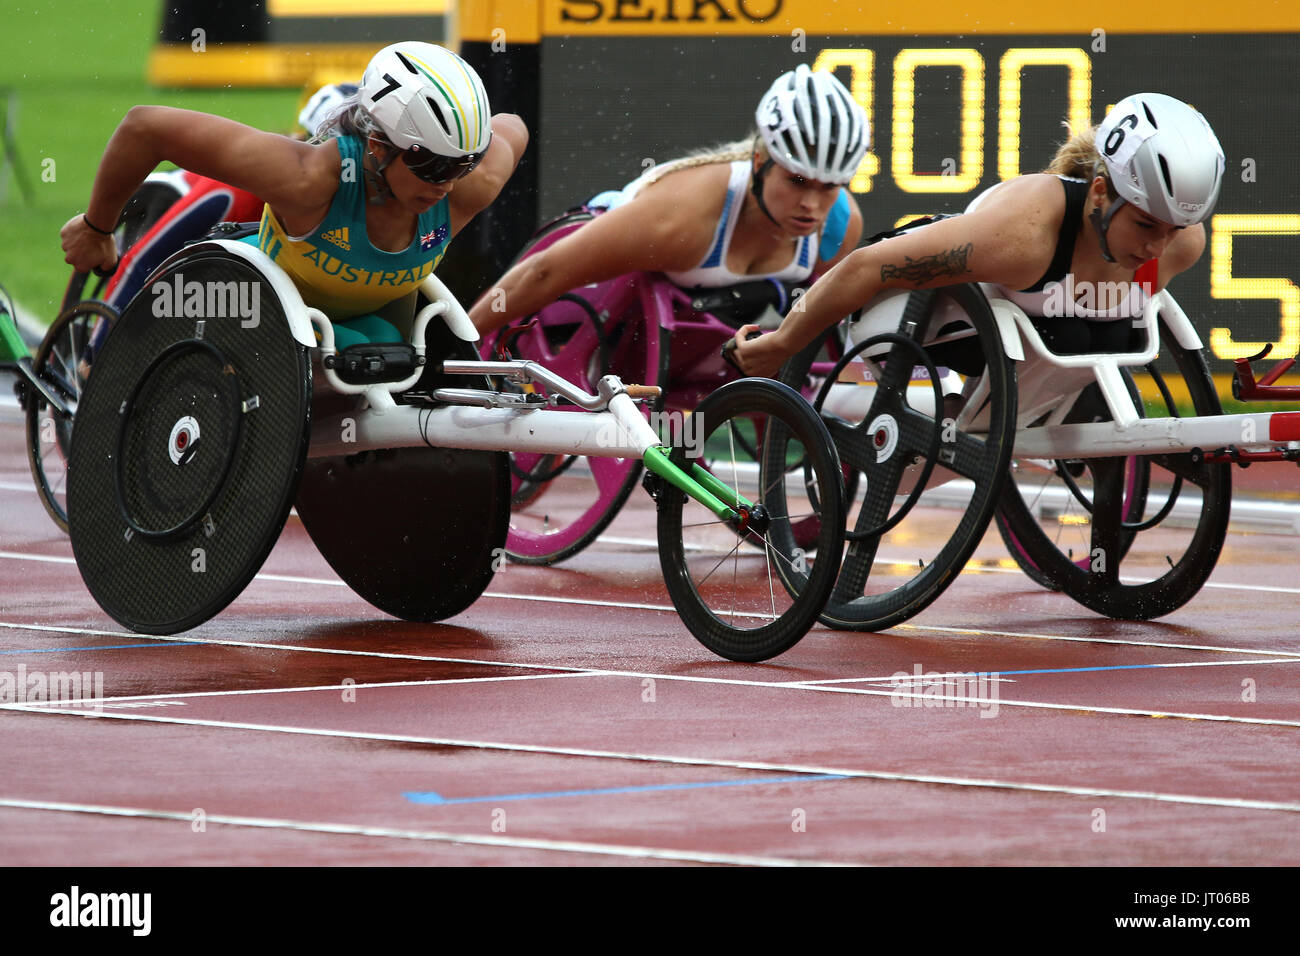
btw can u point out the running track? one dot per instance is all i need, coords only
(568, 718)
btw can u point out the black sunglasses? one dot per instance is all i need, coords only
(435, 168)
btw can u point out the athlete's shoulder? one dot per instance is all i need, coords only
(1026, 194)
(706, 182)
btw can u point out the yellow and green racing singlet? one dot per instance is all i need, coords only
(335, 267)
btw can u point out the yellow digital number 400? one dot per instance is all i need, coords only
(1224, 285)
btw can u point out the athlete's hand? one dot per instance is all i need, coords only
(757, 354)
(85, 249)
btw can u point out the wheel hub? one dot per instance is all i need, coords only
(884, 436)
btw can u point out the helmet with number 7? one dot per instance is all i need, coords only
(425, 97)
(1163, 157)
(812, 126)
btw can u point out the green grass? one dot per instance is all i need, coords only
(76, 67)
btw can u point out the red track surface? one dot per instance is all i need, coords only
(568, 718)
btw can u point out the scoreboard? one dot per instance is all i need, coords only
(959, 96)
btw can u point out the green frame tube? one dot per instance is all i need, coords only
(700, 485)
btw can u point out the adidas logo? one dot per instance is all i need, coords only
(339, 237)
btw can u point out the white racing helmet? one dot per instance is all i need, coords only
(1163, 157)
(323, 103)
(428, 102)
(813, 126)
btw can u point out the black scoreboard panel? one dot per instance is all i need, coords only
(951, 116)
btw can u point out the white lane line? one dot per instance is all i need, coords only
(260, 645)
(984, 632)
(603, 672)
(335, 688)
(1238, 803)
(52, 558)
(902, 677)
(335, 582)
(500, 595)
(895, 696)
(971, 567)
(433, 836)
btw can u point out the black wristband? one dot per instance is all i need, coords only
(102, 232)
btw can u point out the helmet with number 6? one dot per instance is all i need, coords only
(425, 97)
(1163, 157)
(812, 126)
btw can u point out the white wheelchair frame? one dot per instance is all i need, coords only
(1048, 383)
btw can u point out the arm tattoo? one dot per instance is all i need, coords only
(927, 268)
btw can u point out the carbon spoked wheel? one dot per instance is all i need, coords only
(1059, 494)
(1113, 559)
(925, 454)
(733, 597)
(62, 363)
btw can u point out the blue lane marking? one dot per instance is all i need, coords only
(112, 647)
(429, 796)
(1054, 670)
(1073, 670)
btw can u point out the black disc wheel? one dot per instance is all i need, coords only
(417, 532)
(189, 441)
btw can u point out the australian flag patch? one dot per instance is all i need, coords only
(431, 239)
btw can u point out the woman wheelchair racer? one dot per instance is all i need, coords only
(1121, 206)
(775, 207)
(356, 221)
(177, 207)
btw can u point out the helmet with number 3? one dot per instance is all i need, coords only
(1163, 157)
(812, 126)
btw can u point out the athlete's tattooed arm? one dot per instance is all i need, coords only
(928, 268)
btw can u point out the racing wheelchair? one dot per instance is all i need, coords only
(213, 408)
(639, 326)
(1098, 486)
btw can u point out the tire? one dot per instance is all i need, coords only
(901, 557)
(62, 363)
(1155, 583)
(1064, 490)
(731, 597)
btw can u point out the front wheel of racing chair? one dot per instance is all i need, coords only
(927, 455)
(727, 578)
(61, 366)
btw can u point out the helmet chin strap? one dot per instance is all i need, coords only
(1101, 225)
(375, 177)
(756, 187)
